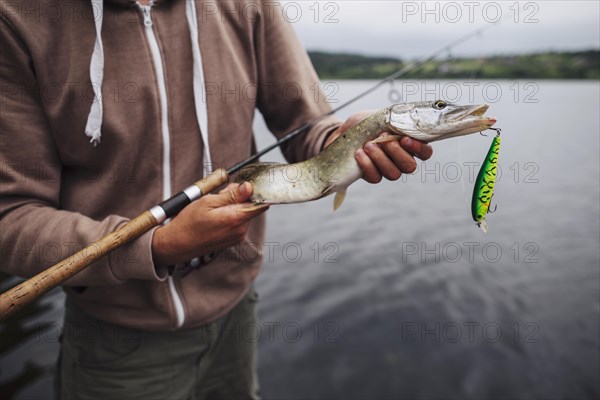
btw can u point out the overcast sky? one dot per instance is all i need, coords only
(412, 29)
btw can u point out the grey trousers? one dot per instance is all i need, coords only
(99, 360)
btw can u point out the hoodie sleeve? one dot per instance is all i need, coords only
(289, 92)
(34, 232)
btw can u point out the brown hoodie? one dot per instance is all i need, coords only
(60, 193)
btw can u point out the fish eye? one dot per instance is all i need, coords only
(439, 105)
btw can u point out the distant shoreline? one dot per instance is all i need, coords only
(575, 65)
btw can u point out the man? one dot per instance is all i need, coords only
(110, 107)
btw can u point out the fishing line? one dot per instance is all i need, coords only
(476, 69)
(466, 196)
(390, 78)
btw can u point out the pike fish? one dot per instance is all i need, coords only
(335, 168)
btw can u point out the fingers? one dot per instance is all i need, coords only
(419, 149)
(387, 160)
(238, 217)
(232, 194)
(384, 164)
(231, 186)
(245, 212)
(217, 220)
(370, 172)
(253, 207)
(390, 158)
(402, 159)
(230, 205)
(238, 213)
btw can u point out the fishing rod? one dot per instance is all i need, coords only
(16, 298)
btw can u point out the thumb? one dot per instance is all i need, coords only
(233, 194)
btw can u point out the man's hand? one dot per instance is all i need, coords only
(213, 222)
(389, 160)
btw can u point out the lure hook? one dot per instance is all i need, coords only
(490, 207)
(497, 130)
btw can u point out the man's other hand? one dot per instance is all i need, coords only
(389, 160)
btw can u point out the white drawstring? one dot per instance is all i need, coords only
(94, 120)
(199, 84)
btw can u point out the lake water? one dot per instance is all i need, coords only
(398, 294)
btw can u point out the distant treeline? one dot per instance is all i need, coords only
(548, 65)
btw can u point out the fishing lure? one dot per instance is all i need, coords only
(484, 184)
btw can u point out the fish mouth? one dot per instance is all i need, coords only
(478, 111)
(433, 125)
(474, 116)
(468, 120)
(468, 112)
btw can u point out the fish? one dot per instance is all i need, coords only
(484, 185)
(335, 168)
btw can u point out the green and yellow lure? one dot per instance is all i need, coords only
(484, 184)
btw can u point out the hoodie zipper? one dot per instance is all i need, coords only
(164, 112)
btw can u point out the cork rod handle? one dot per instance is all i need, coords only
(16, 298)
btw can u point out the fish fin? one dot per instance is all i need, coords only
(483, 225)
(339, 199)
(386, 139)
(251, 170)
